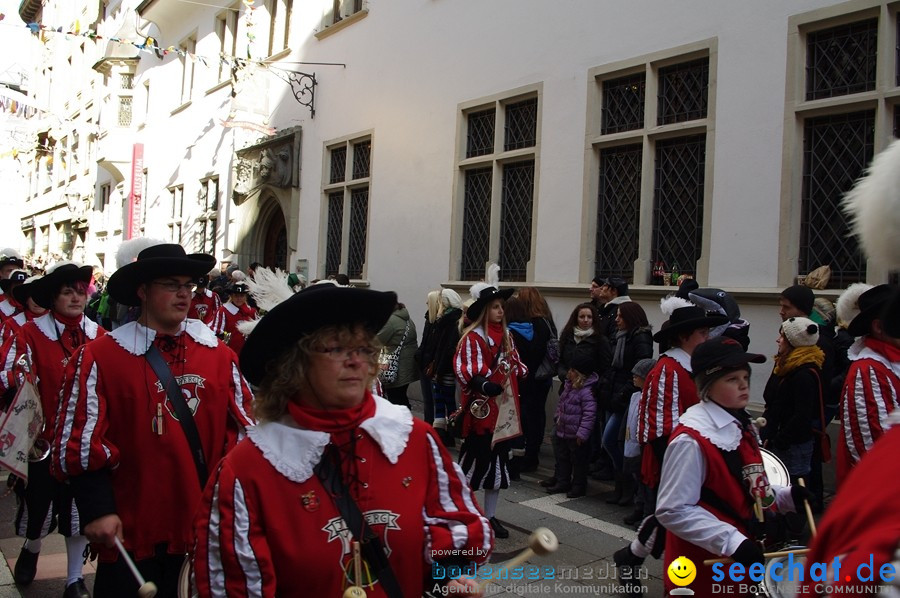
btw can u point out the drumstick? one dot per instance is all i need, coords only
(809, 515)
(768, 555)
(541, 542)
(355, 591)
(148, 588)
(758, 509)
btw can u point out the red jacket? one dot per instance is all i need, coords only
(206, 306)
(668, 392)
(232, 316)
(268, 527)
(108, 427)
(474, 357)
(48, 349)
(871, 392)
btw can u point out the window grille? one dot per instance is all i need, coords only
(338, 164)
(623, 104)
(837, 150)
(515, 222)
(361, 153)
(678, 202)
(333, 239)
(841, 60)
(356, 251)
(480, 135)
(125, 111)
(521, 125)
(683, 92)
(476, 223)
(126, 81)
(280, 251)
(618, 211)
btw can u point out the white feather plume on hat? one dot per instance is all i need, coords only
(268, 289)
(128, 251)
(874, 207)
(671, 303)
(847, 306)
(491, 280)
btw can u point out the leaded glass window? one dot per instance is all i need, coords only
(334, 234)
(476, 223)
(515, 221)
(683, 92)
(361, 152)
(521, 125)
(356, 252)
(623, 104)
(836, 151)
(480, 133)
(678, 202)
(338, 164)
(841, 60)
(618, 211)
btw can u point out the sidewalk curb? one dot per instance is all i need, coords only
(7, 584)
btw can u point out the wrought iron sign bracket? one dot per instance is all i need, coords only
(303, 86)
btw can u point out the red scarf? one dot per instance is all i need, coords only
(340, 423)
(73, 335)
(889, 351)
(495, 333)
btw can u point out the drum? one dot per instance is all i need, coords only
(776, 470)
(778, 567)
(185, 588)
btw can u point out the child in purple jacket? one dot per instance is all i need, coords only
(574, 423)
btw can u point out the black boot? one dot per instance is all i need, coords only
(616, 496)
(26, 567)
(627, 490)
(636, 515)
(548, 483)
(629, 567)
(558, 488)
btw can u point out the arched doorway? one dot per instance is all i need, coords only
(275, 244)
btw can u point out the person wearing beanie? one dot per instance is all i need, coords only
(794, 301)
(713, 475)
(871, 389)
(574, 418)
(793, 396)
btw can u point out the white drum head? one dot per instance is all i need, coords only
(775, 469)
(785, 588)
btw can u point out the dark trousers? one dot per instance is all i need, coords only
(397, 395)
(115, 580)
(427, 399)
(571, 461)
(533, 399)
(44, 504)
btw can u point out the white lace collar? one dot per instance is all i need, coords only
(859, 350)
(7, 307)
(683, 359)
(714, 423)
(294, 451)
(45, 324)
(137, 338)
(230, 307)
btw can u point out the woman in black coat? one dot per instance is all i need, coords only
(579, 336)
(633, 343)
(436, 358)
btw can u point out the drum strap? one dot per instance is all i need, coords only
(328, 471)
(185, 417)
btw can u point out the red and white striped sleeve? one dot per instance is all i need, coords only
(451, 514)
(660, 404)
(79, 441)
(868, 396)
(10, 351)
(471, 359)
(217, 323)
(239, 406)
(231, 555)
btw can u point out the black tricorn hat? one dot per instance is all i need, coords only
(309, 310)
(165, 259)
(871, 303)
(685, 319)
(44, 290)
(485, 297)
(23, 291)
(16, 277)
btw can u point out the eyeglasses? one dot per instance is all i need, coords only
(174, 287)
(343, 353)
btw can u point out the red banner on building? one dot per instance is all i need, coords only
(136, 196)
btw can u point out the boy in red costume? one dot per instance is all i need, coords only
(235, 311)
(132, 469)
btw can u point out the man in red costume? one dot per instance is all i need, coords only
(872, 387)
(235, 311)
(132, 468)
(206, 306)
